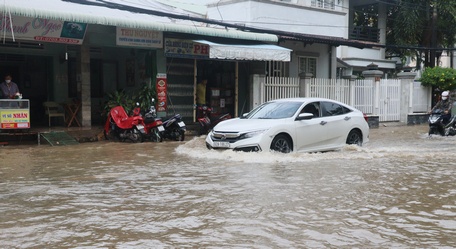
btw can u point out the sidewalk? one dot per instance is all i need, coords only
(95, 133)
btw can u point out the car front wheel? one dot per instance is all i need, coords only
(355, 137)
(281, 143)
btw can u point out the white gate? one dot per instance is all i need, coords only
(364, 95)
(389, 105)
(336, 89)
(279, 87)
(381, 98)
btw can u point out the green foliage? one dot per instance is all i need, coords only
(121, 98)
(128, 100)
(442, 78)
(145, 95)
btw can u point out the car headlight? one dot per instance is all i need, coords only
(252, 134)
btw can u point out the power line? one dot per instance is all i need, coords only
(300, 36)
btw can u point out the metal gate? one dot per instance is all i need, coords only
(389, 105)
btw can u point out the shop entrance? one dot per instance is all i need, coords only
(32, 75)
(220, 89)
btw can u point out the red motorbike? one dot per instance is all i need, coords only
(121, 126)
(207, 121)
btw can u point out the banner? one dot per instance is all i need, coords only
(14, 118)
(139, 38)
(42, 30)
(186, 49)
(162, 93)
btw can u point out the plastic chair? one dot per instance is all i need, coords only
(52, 109)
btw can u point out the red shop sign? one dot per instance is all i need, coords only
(162, 93)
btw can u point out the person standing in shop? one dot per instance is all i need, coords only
(201, 96)
(8, 88)
(201, 93)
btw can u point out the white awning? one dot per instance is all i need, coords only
(260, 52)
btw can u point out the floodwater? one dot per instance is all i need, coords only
(397, 191)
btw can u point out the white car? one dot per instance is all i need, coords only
(294, 124)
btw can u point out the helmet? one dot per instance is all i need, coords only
(445, 95)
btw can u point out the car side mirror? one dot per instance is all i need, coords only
(304, 116)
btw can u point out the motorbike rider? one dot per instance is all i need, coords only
(445, 105)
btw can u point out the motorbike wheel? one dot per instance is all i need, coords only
(442, 131)
(202, 130)
(431, 131)
(157, 136)
(110, 135)
(181, 136)
(137, 136)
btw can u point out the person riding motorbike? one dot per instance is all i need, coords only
(445, 105)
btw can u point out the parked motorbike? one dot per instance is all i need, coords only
(153, 125)
(174, 128)
(436, 125)
(207, 121)
(121, 126)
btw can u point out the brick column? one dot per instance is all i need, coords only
(304, 83)
(256, 90)
(85, 97)
(375, 75)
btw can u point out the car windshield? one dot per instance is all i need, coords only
(274, 110)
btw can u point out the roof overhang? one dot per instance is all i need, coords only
(362, 63)
(257, 52)
(97, 12)
(330, 40)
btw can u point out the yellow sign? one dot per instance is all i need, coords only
(14, 118)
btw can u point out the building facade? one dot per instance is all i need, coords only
(78, 51)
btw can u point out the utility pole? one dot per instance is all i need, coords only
(433, 36)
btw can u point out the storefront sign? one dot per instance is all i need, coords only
(186, 49)
(14, 119)
(42, 30)
(139, 38)
(162, 93)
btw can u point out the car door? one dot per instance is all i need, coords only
(336, 120)
(309, 133)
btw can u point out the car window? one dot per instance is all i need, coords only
(333, 109)
(275, 110)
(313, 108)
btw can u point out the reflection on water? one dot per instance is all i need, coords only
(397, 191)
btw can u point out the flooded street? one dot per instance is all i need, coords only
(398, 191)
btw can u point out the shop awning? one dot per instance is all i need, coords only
(83, 13)
(258, 52)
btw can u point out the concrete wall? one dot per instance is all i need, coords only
(286, 15)
(319, 51)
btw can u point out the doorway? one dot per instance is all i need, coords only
(220, 89)
(32, 75)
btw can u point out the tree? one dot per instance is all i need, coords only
(439, 78)
(421, 29)
(415, 24)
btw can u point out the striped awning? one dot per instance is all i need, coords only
(83, 13)
(256, 52)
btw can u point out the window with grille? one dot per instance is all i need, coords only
(277, 68)
(308, 65)
(324, 4)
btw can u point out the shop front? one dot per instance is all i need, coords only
(79, 72)
(226, 67)
(77, 57)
